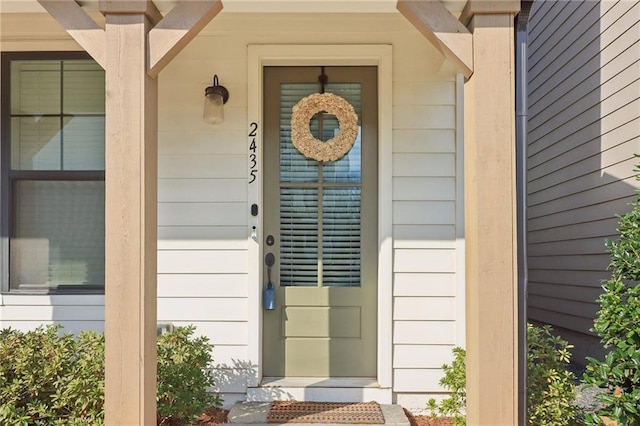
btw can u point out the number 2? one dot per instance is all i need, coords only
(254, 129)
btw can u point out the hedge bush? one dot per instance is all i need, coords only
(550, 386)
(618, 325)
(49, 378)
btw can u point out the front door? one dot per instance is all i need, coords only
(321, 225)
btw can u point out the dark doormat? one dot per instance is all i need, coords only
(325, 412)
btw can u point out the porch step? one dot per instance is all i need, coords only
(255, 414)
(319, 389)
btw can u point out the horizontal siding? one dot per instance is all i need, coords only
(202, 261)
(202, 237)
(426, 141)
(422, 356)
(597, 228)
(585, 279)
(417, 379)
(69, 326)
(202, 214)
(424, 212)
(424, 308)
(426, 165)
(583, 132)
(202, 285)
(424, 285)
(579, 160)
(424, 332)
(202, 166)
(424, 236)
(426, 261)
(56, 313)
(202, 309)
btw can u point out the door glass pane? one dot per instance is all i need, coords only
(303, 196)
(341, 237)
(58, 234)
(298, 237)
(295, 167)
(349, 167)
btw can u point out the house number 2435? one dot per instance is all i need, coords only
(253, 148)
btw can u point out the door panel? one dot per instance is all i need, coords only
(323, 217)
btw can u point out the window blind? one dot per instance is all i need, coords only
(320, 203)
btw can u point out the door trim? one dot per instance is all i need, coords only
(260, 56)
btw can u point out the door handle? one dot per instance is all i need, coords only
(269, 292)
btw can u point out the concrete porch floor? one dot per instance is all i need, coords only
(255, 414)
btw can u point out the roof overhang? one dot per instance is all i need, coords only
(254, 6)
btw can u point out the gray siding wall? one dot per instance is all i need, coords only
(583, 132)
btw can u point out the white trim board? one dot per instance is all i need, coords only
(260, 56)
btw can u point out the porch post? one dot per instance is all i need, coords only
(490, 218)
(131, 210)
(136, 44)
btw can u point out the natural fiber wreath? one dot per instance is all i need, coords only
(336, 147)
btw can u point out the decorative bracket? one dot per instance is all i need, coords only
(442, 29)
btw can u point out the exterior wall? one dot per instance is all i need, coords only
(583, 132)
(203, 246)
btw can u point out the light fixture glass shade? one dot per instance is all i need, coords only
(213, 108)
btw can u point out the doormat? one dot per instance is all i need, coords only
(325, 412)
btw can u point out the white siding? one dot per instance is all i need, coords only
(203, 247)
(583, 132)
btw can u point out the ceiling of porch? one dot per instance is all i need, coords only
(253, 6)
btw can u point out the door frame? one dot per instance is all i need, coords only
(379, 55)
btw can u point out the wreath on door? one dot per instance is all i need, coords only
(336, 147)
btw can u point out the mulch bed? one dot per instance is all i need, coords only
(428, 420)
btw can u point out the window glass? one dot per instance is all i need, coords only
(57, 110)
(341, 237)
(295, 167)
(299, 237)
(35, 143)
(83, 147)
(58, 237)
(54, 178)
(349, 167)
(35, 87)
(84, 91)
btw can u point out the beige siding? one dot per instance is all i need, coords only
(203, 247)
(583, 132)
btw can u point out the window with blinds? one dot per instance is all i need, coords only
(320, 233)
(53, 121)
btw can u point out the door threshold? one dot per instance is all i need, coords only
(319, 382)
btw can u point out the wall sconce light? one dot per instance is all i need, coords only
(214, 98)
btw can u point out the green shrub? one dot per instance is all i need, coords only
(617, 325)
(51, 379)
(184, 374)
(550, 386)
(47, 379)
(455, 381)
